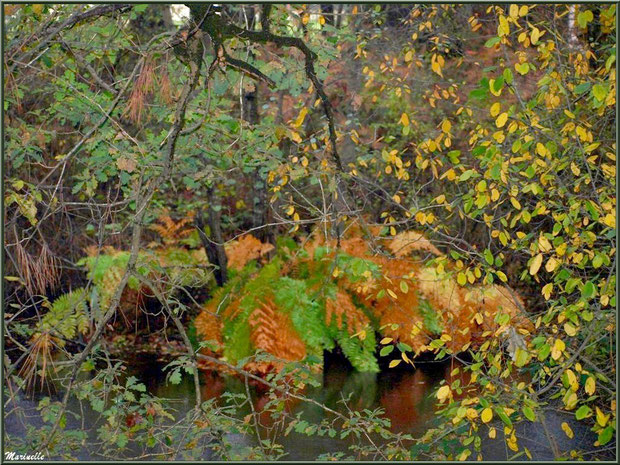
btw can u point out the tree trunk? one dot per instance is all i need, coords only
(249, 113)
(572, 27)
(213, 242)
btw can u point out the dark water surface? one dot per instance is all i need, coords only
(405, 396)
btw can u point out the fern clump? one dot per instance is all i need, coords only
(308, 300)
(170, 267)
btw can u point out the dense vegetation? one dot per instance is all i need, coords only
(260, 185)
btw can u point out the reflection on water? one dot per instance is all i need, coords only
(403, 395)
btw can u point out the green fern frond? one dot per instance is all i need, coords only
(361, 354)
(68, 315)
(292, 297)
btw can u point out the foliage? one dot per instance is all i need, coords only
(337, 298)
(67, 316)
(435, 178)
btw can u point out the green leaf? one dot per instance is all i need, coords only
(175, 377)
(466, 175)
(504, 418)
(492, 41)
(600, 92)
(605, 436)
(404, 347)
(582, 88)
(588, 290)
(584, 18)
(498, 84)
(544, 352)
(122, 440)
(386, 350)
(583, 412)
(522, 357)
(488, 256)
(529, 413)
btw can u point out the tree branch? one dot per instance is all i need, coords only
(76, 18)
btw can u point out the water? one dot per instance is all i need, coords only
(404, 395)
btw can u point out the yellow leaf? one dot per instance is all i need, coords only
(386, 340)
(394, 363)
(557, 349)
(461, 278)
(443, 393)
(543, 244)
(515, 203)
(487, 415)
(300, 118)
(570, 329)
(501, 120)
(590, 386)
(552, 264)
(514, 10)
(610, 220)
(535, 35)
(504, 27)
(541, 149)
(290, 210)
(392, 294)
(547, 290)
(567, 430)
(404, 119)
(446, 126)
(572, 380)
(535, 265)
(601, 418)
(471, 413)
(523, 10)
(495, 109)
(492, 433)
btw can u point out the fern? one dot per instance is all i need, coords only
(325, 296)
(361, 353)
(237, 340)
(237, 331)
(67, 317)
(292, 297)
(431, 319)
(177, 267)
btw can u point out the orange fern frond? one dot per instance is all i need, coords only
(244, 250)
(344, 309)
(409, 241)
(172, 231)
(272, 332)
(209, 327)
